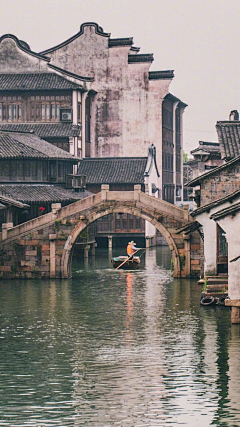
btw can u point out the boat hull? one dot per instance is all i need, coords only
(131, 263)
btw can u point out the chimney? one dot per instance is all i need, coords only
(234, 115)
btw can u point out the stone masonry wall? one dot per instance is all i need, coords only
(220, 184)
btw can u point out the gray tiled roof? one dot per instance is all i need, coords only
(15, 145)
(209, 147)
(200, 178)
(45, 130)
(141, 57)
(230, 197)
(8, 201)
(164, 74)
(31, 193)
(118, 170)
(230, 210)
(36, 81)
(10, 148)
(229, 138)
(128, 41)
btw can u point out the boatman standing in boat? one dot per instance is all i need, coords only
(131, 248)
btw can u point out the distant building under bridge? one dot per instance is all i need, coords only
(121, 174)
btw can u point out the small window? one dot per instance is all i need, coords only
(9, 112)
(137, 222)
(47, 111)
(4, 116)
(52, 111)
(42, 111)
(19, 111)
(58, 111)
(14, 112)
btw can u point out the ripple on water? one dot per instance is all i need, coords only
(116, 348)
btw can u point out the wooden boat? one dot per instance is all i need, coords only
(130, 264)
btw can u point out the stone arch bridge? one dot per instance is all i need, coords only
(43, 247)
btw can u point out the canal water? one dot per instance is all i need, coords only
(116, 348)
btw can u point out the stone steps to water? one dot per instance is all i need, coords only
(217, 287)
(216, 294)
(217, 280)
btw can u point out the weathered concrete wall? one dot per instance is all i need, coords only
(126, 111)
(14, 59)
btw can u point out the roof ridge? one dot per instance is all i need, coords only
(215, 203)
(112, 158)
(70, 74)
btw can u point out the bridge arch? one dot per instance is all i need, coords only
(66, 259)
(43, 247)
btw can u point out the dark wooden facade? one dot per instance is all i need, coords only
(38, 171)
(43, 107)
(171, 149)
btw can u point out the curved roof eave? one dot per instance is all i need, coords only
(70, 74)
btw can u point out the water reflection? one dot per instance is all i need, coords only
(116, 348)
(129, 300)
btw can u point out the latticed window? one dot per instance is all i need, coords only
(10, 112)
(222, 242)
(47, 108)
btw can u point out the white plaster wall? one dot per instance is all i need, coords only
(150, 229)
(210, 243)
(210, 238)
(231, 225)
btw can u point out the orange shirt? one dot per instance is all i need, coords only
(129, 249)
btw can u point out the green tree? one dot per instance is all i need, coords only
(185, 157)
